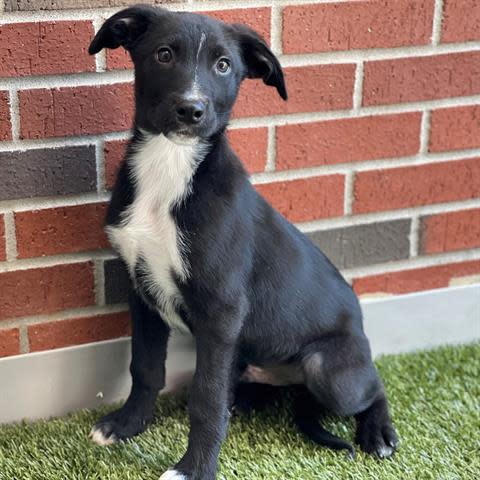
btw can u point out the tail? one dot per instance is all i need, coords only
(307, 422)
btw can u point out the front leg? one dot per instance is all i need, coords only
(149, 350)
(208, 408)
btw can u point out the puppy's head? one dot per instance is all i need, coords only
(188, 67)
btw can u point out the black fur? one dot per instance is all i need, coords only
(259, 292)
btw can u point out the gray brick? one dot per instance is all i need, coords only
(362, 245)
(47, 172)
(116, 282)
(29, 5)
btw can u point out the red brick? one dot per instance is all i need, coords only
(455, 128)
(306, 199)
(310, 89)
(75, 110)
(348, 140)
(9, 342)
(421, 78)
(257, 18)
(461, 20)
(417, 185)
(3, 254)
(77, 331)
(356, 24)
(118, 59)
(5, 125)
(415, 280)
(42, 48)
(46, 290)
(250, 144)
(54, 231)
(450, 231)
(114, 153)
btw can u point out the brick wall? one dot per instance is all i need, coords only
(376, 155)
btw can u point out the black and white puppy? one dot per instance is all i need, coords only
(205, 252)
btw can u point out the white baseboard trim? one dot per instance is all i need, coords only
(53, 383)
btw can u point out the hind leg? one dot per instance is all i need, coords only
(340, 373)
(375, 432)
(253, 396)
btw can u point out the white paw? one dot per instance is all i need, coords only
(99, 438)
(172, 475)
(385, 452)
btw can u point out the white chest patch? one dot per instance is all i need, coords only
(162, 174)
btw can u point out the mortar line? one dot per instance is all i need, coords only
(69, 80)
(14, 113)
(461, 280)
(358, 87)
(376, 54)
(215, 4)
(362, 166)
(276, 28)
(386, 216)
(414, 263)
(10, 237)
(437, 22)
(310, 117)
(40, 203)
(414, 236)
(99, 275)
(190, 5)
(425, 132)
(55, 260)
(24, 341)
(100, 57)
(59, 142)
(63, 315)
(100, 165)
(271, 150)
(348, 195)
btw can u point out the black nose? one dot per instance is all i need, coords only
(191, 112)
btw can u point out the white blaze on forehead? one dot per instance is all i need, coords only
(194, 91)
(203, 37)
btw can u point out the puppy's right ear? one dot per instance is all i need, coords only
(123, 29)
(259, 60)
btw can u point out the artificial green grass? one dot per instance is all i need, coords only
(434, 399)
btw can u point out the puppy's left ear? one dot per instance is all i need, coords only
(123, 28)
(259, 60)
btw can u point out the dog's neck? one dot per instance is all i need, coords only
(164, 172)
(162, 168)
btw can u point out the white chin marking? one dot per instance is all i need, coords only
(97, 436)
(172, 475)
(185, 140)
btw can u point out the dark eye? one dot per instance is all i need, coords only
(223, 66)
(164, 55)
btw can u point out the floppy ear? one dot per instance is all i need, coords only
(259, 59)
(122, 29)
